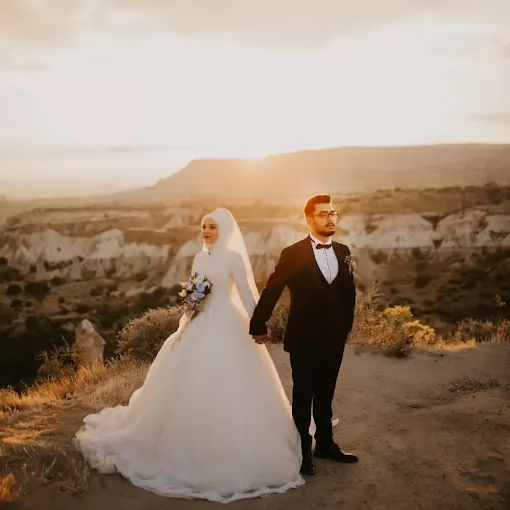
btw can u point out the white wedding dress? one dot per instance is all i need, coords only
(211, 420)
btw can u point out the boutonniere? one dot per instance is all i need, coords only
(349, 260)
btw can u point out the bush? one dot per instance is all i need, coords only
(277, 323)
(96, 291)
(418, 254)
(393, 330)
(58, 362)
(378, 257)
(140, 277)
(142, 337)
(57, 280)
(37, 289)
(422, 280)
(13, 289)
(82, 308)
(16, 303)
(495, 330)
(9, 274)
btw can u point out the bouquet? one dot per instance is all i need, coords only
(194, 290)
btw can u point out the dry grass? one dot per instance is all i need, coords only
(93, 385)
(43, 465)
(10, 489)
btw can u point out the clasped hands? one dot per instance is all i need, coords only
(260, 339)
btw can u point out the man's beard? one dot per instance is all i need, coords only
(326, 233)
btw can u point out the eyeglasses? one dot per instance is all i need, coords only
(326, 215)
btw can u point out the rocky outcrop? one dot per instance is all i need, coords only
(168, 249)
(89, 344)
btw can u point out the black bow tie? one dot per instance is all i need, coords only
(323, 246)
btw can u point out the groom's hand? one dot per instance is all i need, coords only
(260, 339)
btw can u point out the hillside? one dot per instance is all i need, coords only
(341, 171)
(446, 253)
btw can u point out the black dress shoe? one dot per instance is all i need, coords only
(333, 452)
(307, 467)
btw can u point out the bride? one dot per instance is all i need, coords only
(211, 420)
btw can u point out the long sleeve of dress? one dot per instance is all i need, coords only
(238, 273)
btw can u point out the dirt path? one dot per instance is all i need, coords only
(421, 445)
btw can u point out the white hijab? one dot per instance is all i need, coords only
(231, 238)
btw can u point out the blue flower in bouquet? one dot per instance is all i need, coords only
(195, 289)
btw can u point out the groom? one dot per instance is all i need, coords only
(318, 273)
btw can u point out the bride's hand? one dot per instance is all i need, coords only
(260, 339)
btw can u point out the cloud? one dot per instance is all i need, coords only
(27, 25)
(276, 24)
(498, 119)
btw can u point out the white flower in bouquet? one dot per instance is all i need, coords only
(199, 279)
(194, 290)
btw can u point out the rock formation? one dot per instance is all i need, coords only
(89, 343)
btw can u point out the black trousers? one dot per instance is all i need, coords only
(314, 374)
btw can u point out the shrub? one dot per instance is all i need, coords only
(57, 280)
(378, 257)
(9, 274)
(37, 289)
(13, 289)
(82, 308)
(96, 291)
(422, 280)
(59, 362)
(277, 323)
(16, 303)
(140, 277)
(142, 337)
(496, 330)
(418, 254)
(393, 330)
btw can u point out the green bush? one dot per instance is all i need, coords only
(143, 337)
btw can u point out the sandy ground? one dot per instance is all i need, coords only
(431, 431)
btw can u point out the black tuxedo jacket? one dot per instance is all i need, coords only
(320, 313)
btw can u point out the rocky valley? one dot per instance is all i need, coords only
(445, 253)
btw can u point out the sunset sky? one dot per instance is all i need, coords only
(228, 78)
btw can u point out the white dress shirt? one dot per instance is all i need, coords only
(326, 259)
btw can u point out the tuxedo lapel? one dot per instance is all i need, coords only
(310, 261)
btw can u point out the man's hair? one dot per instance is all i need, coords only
(312, 202)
